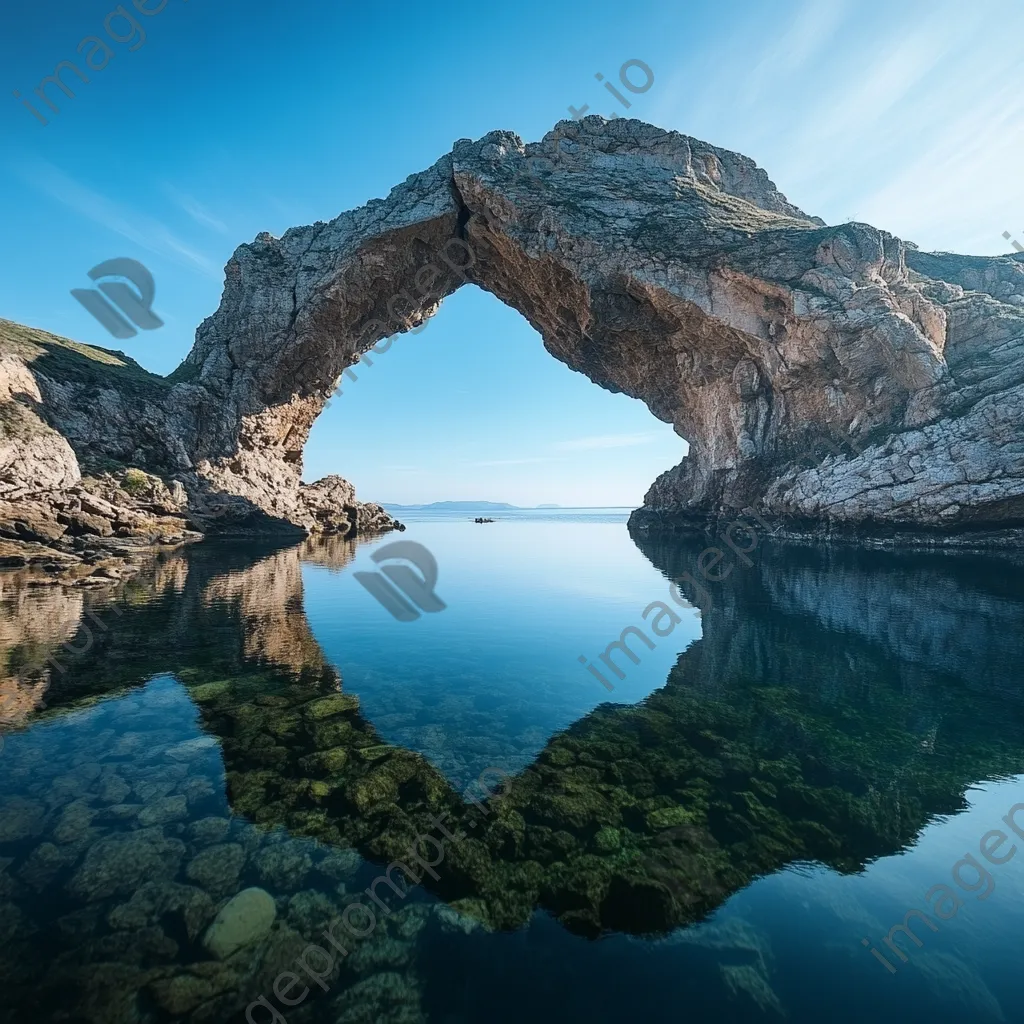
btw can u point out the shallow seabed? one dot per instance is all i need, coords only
(222, 756)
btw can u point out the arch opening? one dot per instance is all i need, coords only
(474, 409)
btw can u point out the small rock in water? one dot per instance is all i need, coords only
(121, 863)
(198, 789)
(191, 748)
(283, 865)
(20, 819)
(242, 920)
(340, 864)
(113, 789)
(74, 822)
(43, 864)
(209, 830)
(170, 808)
(217, 867)
(155, 902)
(121, 812)
(148, 791)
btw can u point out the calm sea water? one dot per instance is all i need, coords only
(615, 514)
(238, 743)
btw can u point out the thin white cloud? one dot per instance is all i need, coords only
(935, 199)
(902, 116)
(515, 462)
(738, 69)
(196, 210)
(884, 85)
(808, 34)
(146, 232)
(606, 441)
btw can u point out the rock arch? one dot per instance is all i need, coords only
(822, 375)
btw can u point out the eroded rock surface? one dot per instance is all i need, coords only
(76, 423)
(820, 374)
(829, 377)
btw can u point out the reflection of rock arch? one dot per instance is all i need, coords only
(639, 818)
(34, 621)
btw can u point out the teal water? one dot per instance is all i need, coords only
(785, 774)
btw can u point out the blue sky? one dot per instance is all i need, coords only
(233, 117)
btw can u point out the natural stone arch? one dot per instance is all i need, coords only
(657, 265)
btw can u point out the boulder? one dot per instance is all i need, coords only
(120, 863)
(243, 920)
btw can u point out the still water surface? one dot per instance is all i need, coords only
(785, 774)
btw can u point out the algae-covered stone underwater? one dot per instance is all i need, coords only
(224, 765)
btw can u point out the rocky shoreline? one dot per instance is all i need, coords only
(73, 512)
(652, 523)
(96, 532)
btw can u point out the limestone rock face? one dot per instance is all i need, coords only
(331, 501)
(821, 374)
(826, 376)
(65, 407)
(33, 456)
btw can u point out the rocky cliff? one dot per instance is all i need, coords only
(829, 378)
(77, 423)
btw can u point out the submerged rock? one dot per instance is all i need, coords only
(191, 749)
(183, 993)
(160, 812)
(121, 863)
(217, 868)
(748, 987)
(74, 822)
(20, 819)
(209, 830)
(113, 790)
(245, 919)
(340, 865)
(384, 996)
(152, 902)
(44, 863)
(283, 865)
(310, 911)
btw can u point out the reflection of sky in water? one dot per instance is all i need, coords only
(496, 673)
(968, 970)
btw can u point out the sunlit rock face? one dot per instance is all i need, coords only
(825, 377)
(94, 456)
(672, 271)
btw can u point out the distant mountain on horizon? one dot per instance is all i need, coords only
(469, 506)
(459, 506)
(487, 506)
